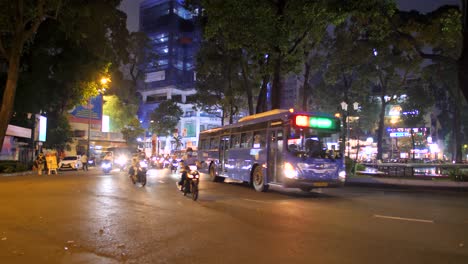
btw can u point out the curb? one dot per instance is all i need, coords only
(407, 184)
(22, 173)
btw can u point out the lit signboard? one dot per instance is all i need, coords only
(400, 134)
(42, 128)
(105, 123)
(315, 122)
(406, 131)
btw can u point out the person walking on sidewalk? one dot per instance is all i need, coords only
(84, 160)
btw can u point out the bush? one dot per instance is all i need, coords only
(458, 175)
(10, 166)
(351, 166)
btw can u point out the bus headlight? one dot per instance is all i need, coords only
(342, 176)
(289, 171)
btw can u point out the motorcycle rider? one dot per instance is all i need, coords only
(133, 170)
(188, 159)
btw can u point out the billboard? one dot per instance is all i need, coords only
(91, 112)
(393, 110)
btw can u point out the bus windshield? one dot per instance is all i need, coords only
(313, 143)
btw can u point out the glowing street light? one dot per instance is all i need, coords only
(104, 82)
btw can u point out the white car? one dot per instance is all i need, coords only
(70, 163)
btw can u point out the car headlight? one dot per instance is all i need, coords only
(289, 171)
(342, 176)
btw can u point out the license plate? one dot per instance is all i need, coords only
(320, 184)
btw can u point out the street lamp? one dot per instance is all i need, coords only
(356, 109)
(104, 81)
(344, 107)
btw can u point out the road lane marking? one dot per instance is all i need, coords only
(405, 219)
(258, 201)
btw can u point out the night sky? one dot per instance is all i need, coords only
(131, 7)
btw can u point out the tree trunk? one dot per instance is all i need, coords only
(261, 101)
(8, 98)
(457, 138)
(463, 60)
(380, 130)
(248, 89)
(277, 85)
(305, 86)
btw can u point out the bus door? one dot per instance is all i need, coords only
(223, 155)
(275, 147)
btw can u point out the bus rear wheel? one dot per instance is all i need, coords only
(258, 180)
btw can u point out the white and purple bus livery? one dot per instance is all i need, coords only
(278, 147)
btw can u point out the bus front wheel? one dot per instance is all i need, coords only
(258, 180)
(213, 176)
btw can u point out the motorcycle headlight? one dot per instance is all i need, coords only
(143, 164)
(289, 171)
(193, 167)
(121, 160)
(342, 176)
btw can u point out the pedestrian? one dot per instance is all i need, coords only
(40, 163)
(84, 160)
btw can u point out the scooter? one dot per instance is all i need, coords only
(106, 166)
(191, 182)
(140, 175)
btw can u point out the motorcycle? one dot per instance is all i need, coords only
(174, 165)
(191, 181)
(106, 166)
(139, 176)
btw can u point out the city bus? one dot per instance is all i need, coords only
(278, 147)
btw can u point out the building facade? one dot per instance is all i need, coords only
(176, 38)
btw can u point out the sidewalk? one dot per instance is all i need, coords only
(429, 183)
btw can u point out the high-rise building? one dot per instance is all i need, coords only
(175, 37)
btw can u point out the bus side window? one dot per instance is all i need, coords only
(214, 143)
(246, 140)
(259, 139)
(235, 141)
(203, 144)
(224, 144)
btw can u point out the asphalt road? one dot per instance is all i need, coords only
(89, 217)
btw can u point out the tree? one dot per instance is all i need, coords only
(120, 112)
(87, 32)
(132, 131)
(165, 118)
(271, 34)
(440, 37)
(218, 82)
(18, 24)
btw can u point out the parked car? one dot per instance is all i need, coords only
(70, 163)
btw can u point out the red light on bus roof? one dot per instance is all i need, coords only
(302, 121)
